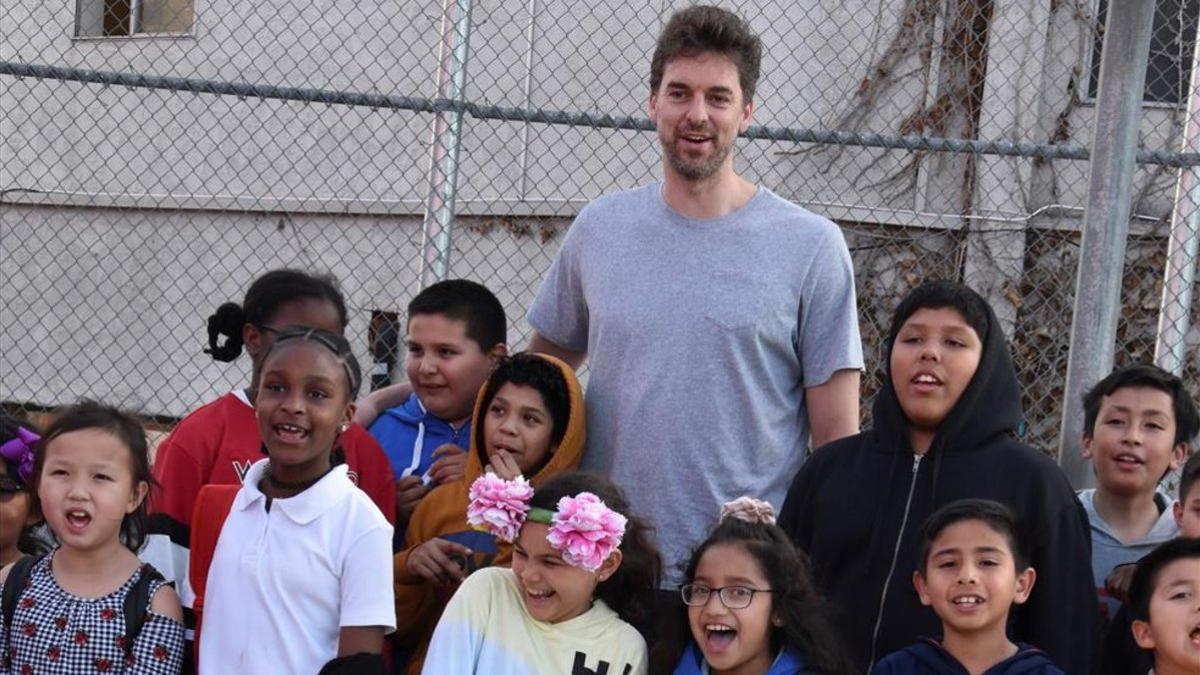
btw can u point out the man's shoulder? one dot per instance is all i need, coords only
(618, 204)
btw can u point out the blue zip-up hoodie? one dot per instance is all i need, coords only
(409, 434)
(928, 657)
(788, 662)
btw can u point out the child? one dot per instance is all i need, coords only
(77, 608)
(1138, 422)
(750, 605)
(529, 419)
(456, 333)
(583, 570)
(1165, 600)
(1121, 654)
(971, 569)
(217, 443)
(299, 574)
(943, 428)
(18, 517)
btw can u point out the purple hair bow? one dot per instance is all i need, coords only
(20, 452)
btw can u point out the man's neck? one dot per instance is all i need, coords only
(1130, 518)
(713, 197)
(979, 651)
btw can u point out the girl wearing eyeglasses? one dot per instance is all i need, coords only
(749, 605)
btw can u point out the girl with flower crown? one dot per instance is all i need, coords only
(584, 569)
(749, 605)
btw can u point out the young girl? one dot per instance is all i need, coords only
(18, 517)
(301, 573)
(583, 570)
(91, 474)
(749, 605)
(217, 443)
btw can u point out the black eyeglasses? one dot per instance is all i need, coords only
(733, 597)
(9, 488)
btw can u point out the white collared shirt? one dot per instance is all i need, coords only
(283, 583)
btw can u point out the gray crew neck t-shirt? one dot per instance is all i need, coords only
(701, 337)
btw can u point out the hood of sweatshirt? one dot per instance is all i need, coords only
(570, 450)
(990, 406)
(789, 661)
(932, 657)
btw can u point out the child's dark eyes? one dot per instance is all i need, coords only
(533, 419)
(103, 476)
(1181, 595)
(58, 472)
(318, 394)
(273, 387)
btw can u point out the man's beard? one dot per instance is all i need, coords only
(696, 170)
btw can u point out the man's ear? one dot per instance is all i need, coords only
(1142, 634)
(747, 113)
(652, 108)
(922, 589)
(1025, 581)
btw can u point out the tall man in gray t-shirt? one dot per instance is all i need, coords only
(719, 318)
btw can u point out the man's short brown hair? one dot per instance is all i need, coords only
(704, 28)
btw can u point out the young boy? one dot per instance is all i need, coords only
(1165, 603)
(943, 428)
(456, 333)
(1138, 422)
(1121, 654)
(529, 420)
(971, 569)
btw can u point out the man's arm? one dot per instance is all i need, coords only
(538, 343)
(833, 407)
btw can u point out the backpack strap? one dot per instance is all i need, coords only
(208, 517)
(14, 584)
(136, 604)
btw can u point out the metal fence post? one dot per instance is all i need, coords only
(447, 137)
(1106, 218)
(1179, 277)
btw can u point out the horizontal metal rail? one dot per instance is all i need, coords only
(579, 119)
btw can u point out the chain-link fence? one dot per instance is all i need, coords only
(157, 155)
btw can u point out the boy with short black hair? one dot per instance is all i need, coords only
(1164, 600)
(456, 333)
(1121, 654)
(944, 427)
(971, 569)
(1138, 424)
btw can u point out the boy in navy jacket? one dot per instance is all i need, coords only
(971, 569)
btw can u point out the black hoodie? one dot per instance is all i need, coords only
(857, 505)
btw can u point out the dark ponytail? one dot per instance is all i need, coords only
(228, 321)
(631, 590)
(263, 299)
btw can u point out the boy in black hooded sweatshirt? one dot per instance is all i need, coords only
(944, 428)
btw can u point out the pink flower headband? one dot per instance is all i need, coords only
(750, 510)
(19, 451)
(583, 529)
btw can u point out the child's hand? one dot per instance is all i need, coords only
(450, 464)
(1119, 579)
(504, 466)
(409, 492)
(435, 561)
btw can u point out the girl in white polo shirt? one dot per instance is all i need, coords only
(301, 573)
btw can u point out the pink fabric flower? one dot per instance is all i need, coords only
(499, 505)
(586, 531)
(750, 510)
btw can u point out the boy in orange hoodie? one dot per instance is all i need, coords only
(529, 420)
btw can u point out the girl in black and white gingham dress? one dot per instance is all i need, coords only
(53, 631)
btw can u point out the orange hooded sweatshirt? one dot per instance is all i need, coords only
(443, 513)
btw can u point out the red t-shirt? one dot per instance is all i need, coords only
(217, 444)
